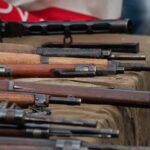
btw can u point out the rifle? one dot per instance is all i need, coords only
(17, 58)
(45, 131)
(19, 116)
(68, 52)
(13, 29)
(63, 143)
(66, 70)
(86, 53)
(28, 49)
(98, 147)
(26, 93)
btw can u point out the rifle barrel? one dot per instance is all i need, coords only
(127, 57)
(12, 29)
(20, 117)
(29, 49)
(134, 66)
(114, 47)
(86, 53)
(46, 131)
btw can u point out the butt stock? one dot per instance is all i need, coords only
(22, 99)
(33, 59)
(43, 70)
(89, 95)
(17, 48)
(56, 70)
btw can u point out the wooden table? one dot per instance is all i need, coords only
(133, 123)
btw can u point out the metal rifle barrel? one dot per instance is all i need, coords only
(127, 57)
(76, 52)
(12, 29)
(134, 66)
(29, 49)
(101, 133)
(89, 70)
(86, 53)
(20, 117)
(63, 121)
(46, 131)
(114, 47)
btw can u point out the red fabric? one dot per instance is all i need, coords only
(12, 13)
(54, 13)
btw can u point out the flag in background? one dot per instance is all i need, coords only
(36, 10)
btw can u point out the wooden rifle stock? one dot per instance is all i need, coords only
(17, 48)
(90, 95)
(22, 99)
(68, 70)
(33, 59)
(16, 58)
(43, 70)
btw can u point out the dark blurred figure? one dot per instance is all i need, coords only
(139, 12)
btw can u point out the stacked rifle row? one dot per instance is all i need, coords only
(62, 60)
(75, 60)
